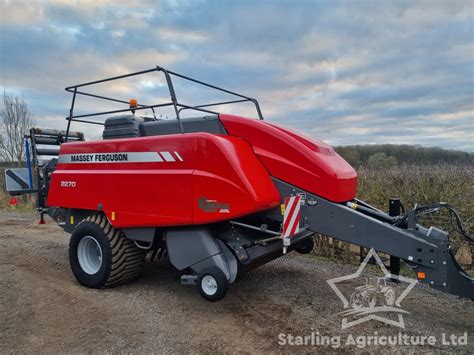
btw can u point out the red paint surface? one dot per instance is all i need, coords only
(218, 167)
(232, 173)
(309, 164)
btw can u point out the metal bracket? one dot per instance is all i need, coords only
(190, 280)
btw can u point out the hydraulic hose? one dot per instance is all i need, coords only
(381, 216)
(431, 208)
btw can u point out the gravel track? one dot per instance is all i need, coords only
(43, 309)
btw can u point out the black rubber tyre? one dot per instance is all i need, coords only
(306, 247)
(120, 260)
(212, 284)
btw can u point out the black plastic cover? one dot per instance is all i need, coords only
(125, 126)
(209, 124)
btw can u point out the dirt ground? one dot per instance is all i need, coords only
(43, 309)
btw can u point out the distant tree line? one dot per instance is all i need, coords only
(387, 155)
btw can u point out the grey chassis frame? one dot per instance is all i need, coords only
(425, 250)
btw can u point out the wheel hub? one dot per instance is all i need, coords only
(209, 285)
(89, 255)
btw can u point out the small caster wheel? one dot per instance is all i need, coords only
(306, 247)
(212, 284)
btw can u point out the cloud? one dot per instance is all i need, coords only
(345, 72)
(181, 35)
(17, 12)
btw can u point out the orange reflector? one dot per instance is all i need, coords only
(421, 275)
(133, 103)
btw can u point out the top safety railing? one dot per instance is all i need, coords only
(178, 106)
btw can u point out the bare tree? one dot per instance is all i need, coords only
(15, 122)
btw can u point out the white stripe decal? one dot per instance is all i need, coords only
(167, 156)
(179, 156)
(292, 223)
(293, 218)
(117, 157)
(288, 208)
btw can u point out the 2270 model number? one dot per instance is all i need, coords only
(68, 184)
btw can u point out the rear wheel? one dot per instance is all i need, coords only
(212, 284)
(100, 255)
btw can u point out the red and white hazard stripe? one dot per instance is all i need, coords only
(291, 218)
(169, 157)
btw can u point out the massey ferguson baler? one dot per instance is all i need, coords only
(218, 194)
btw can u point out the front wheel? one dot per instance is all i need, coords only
(212, 284)
(100, 255)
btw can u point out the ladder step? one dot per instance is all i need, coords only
(57, 133)
(52, 152)
(47, 140)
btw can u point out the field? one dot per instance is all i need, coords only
(420, 184)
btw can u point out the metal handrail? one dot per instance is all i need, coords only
(178, 107)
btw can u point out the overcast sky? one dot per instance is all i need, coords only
(348, 72)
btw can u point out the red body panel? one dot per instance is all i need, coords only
(221, 172)
(308, 164)
(196, 178)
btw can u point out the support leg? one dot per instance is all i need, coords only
(394, 209)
